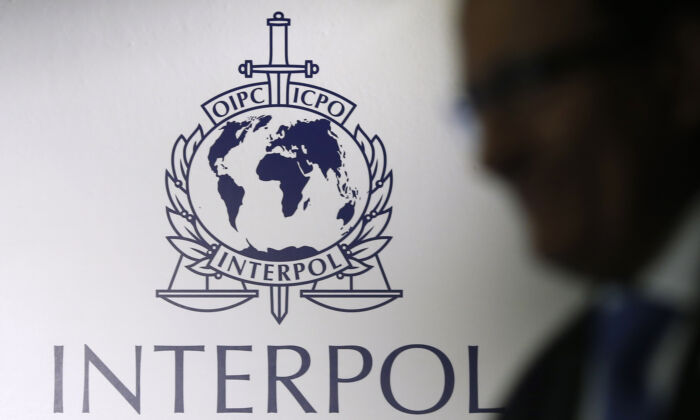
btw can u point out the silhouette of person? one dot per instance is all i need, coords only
(590, 111)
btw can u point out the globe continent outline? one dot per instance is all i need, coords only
(356, 220)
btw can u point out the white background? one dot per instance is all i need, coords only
(92, 96)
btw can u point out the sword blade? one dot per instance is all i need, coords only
(279, 300)
(273, 83)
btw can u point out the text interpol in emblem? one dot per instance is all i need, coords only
(279, 193)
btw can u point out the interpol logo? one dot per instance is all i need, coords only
(279, 193)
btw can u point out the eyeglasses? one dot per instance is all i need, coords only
(537, 71)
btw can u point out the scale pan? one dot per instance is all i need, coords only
(207, 300)
(351, 300)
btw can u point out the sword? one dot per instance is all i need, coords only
(278, 68)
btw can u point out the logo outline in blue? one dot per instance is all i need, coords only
(204, 259)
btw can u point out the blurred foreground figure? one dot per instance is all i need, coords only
(590, 111)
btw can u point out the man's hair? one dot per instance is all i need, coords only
(644, 18)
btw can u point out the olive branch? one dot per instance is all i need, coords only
(192, 240)
(365, 240)
(359, 245)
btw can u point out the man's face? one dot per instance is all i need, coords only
(580, 149)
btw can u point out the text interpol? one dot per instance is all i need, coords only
(276, 383)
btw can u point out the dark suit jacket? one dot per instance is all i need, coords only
(551, 389)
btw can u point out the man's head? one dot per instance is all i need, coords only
(591, 111)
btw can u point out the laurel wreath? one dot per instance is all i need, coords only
(359, 245)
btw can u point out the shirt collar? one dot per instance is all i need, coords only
(674, 276)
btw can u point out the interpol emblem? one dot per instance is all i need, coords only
(275, 192)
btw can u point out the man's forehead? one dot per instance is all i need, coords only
(497, 30)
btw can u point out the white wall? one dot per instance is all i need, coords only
(93, 95)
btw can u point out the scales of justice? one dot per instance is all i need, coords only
(200, 284)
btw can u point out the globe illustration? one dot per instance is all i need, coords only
(278, 184)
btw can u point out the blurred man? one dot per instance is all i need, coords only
(591, 112)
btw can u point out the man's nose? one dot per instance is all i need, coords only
(504, 148)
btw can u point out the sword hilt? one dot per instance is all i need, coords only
(308, 68)
(279, 63)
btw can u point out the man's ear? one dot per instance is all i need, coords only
(687, 45)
